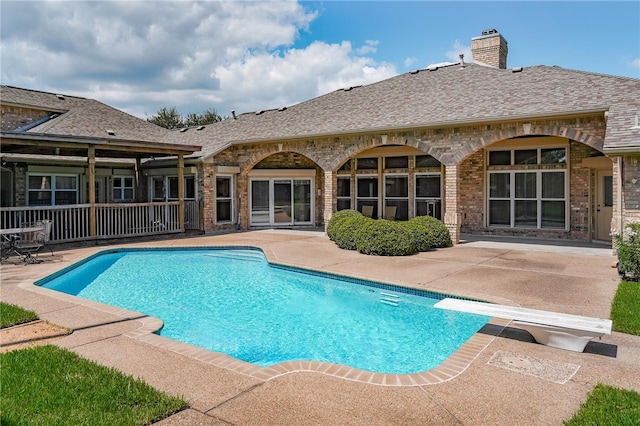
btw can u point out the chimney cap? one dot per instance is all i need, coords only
(490, 31)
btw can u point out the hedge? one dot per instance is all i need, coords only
(350, 230)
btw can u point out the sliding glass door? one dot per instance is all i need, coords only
(281, 201)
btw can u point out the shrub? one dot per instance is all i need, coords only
(440, 233)
(422, 234)
(346, 231)
(385, 238)
(628, 248)
(337, 219)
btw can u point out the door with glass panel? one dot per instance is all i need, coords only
(281, 201)
(604, 207)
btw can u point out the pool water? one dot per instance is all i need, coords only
(235, 302)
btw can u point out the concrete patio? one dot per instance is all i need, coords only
(509, 381)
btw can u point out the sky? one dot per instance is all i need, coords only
(141, 56)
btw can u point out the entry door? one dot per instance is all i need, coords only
(604, 206)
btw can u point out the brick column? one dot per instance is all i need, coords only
(329, 195)
(452, 215)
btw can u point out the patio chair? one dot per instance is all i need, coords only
(30, 243)
(390, 212)
(367, 211)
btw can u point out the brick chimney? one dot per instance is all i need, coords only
(490, 49)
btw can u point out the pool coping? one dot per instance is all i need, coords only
(453, 366)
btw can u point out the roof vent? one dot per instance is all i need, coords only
(61, 97)
(260, 112)
(432, 67)
(516, 69)
(414, 72)
(184, 130)
(233, 113)
(282, 109)
(111, 132)
(200, 128)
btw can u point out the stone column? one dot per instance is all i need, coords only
(329, 195)
(452, 214)
(243, 200)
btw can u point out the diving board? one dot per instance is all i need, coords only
(564, 331)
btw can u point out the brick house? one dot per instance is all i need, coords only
(537, 151)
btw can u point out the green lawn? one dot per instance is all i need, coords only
(48, 385)
(625, 309)
(607, 405)
(14, 315)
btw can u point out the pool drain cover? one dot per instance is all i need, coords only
(553, 371)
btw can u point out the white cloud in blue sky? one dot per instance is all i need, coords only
(141, 56)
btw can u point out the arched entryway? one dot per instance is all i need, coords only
(284, 191)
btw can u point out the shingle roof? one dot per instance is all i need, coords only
(451, 94)
(82, 117)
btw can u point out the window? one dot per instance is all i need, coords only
(367, 193)
(396, 193)
(367, 163)
(224, 201)
(531, 199)
(428, 195)
(344, 193)
(122, 188)
(424, 161)
(189, 188)
(528, 156)
(396, 162)
(52, 190)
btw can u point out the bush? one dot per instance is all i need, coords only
(350, 230)
(346, 231)
(439, 232)
(337, 219)
(385, 238)
(422, 234)
(628, 248)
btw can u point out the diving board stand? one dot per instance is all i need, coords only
(564, 331)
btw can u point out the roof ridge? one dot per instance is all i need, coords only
(43, 92)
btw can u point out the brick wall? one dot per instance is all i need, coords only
(631, 189)
(461, 146)
(16, 117)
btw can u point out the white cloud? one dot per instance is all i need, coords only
(409, 61)
(635, 63)
(266, 80)
(459, 49)
(370, 46)
(141, 56)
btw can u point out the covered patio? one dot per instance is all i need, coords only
(73, 220)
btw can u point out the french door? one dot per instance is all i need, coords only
(281, 201)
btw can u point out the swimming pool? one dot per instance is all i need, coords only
(233, 301)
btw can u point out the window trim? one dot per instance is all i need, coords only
(230, 198)
(53, 189)
(417, 199)
(538, 198)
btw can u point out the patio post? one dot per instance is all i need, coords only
(91, 158)
(181, 190)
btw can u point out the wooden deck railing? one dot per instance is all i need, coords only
(71, 223)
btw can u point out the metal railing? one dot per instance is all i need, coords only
(71, 223)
